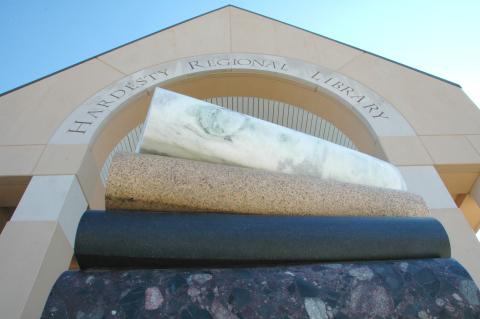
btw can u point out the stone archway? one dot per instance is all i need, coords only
(358, 111)
(56, 200)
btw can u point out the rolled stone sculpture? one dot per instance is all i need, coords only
(160, 183)
(431, 288)
(185, 127)
(141, 239)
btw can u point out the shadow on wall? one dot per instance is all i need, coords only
(5, 215)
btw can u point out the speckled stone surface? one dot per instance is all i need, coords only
(153, 182)
(425, 289)
(143, 239)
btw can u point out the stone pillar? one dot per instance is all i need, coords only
(425, 181)
(475, 192)
(36, 245)
(471, 205)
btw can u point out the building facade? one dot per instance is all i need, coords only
(58, 134)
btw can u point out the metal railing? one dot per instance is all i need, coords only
(269, 110)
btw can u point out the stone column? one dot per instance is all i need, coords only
(36, 245)
(425, 181)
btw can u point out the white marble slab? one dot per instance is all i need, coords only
(185, 127)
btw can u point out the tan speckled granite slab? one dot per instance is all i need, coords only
(158, 183)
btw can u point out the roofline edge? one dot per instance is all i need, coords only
(211, 11)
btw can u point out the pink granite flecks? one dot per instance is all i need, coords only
(153, 298)
(428, 288)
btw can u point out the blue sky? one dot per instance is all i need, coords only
(439, 37)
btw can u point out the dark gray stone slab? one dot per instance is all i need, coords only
(147, 239)
(435, 288)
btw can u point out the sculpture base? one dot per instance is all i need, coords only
(435, 288)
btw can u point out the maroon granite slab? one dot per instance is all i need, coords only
(429, 288)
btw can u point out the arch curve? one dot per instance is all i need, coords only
(357, 110)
